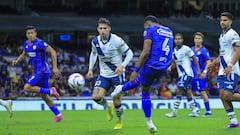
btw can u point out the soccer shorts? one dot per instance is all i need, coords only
(199, 84)
(228, 83)
(107, 83)
(148, 75)
(40, 80)
(184, 82)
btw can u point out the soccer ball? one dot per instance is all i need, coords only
(76, 81)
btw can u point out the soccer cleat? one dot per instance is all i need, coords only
(193, 114)
(171, 114)
(110, 112)
(55, 93)
(118, 125)
(151, 127)
(117, 90)
(58, 118)
(233, 126)
(207, 114)
(8, 107)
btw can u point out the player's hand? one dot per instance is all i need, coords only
(198, 73)
(14, 63)
(119, 69)
(169, 69)
(227, 70)
(90, 74)
(56, 72)
(202, 76)
(133, 76)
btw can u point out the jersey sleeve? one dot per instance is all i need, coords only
(206, 55)
(42, 45)
(147, 34)
(94, 50)
(235, 38)
(189, 52)
(123, 46)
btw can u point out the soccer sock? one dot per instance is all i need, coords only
(131, 85)
(146, 105)
(2, 102)
(177, 104)
(101, 101)
(207, 106)
(232, 116)
(191, 103)
(45, 91)
(119, 111)
(55, 110)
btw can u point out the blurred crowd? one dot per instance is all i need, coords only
(12, 79)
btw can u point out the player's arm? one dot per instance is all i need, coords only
(142, 58)
(50, 50)
(196, 64)
(172, 66)
(235, 58)
(20, 58)
(92, 61)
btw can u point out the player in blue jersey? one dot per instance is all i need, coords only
(199, 84)
(153, 62)
(109, 49)
(229, 70)
(36, 49)
(8, 105)
(182, 56)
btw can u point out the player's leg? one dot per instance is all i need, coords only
(32, 86)
(102, 84)
(147, 76)
(203, 87)
(176, 104)
(8, 105)
(192, 104)
(127, 86)
(58, 115)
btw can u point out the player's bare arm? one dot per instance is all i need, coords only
(172, 66)
(204, 73)
(235, 58)
(54, 60)
(142, 58)
(196, 64)
(20, 58)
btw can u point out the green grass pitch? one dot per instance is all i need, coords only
(93, 122)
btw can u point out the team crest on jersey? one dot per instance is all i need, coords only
(34, 47)
(198, 53)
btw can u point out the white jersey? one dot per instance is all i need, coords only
(182, 57)
(226, 42)
(109, 53)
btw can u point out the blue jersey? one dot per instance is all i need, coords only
(37, 54)
(160, 56)
(202, 56)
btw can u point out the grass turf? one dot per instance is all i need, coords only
(93, 122)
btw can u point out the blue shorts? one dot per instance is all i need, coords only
(184, 82)
(228, 83)
(108, 83)
(148, 75)
(199, 84)
(40, 80)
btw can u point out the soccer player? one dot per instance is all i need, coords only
(199, 84)
(36, 49)
(109, 49)
(8, 105)
(229, 69)
(182, 56)
(153, 62)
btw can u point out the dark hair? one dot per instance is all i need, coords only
(104, 21)
(198, 34)
(151, 18)
(228, 15)
(178, 34)
(30, 27)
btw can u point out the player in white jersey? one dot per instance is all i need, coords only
(182, 56)
(109, 48)
(229, 71)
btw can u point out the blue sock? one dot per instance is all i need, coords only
(146, 104)
(55, 110)
(207, 106)
(45, 91)
(131, 85)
